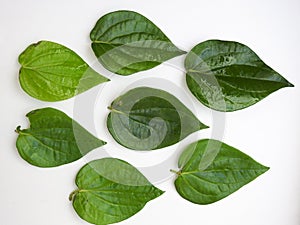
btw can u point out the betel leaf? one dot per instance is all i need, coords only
(111, 190)
(126, 42)
(228, 76)
(54, 139)
(146, 119)
(211, 170)
(52, 72)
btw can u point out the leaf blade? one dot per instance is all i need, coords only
(52, 72)
(105, 195)
(54, 139)
(229, 170)
(146, 119)
(125, 42)
(229, 76)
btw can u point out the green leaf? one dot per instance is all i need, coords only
(146, 119)
(228, 76)
(212, 170)
(52, 72)
(111, 190)
(54, 139)
(126, 42)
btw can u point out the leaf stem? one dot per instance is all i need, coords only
(193, 71)
(114, 110)
(18, 129)
(176, 172)
(73, 194)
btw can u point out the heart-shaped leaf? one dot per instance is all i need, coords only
(52, 72)
(126, 42)
(54, 139)
(111, 190)
(228, 76)
(212, 170)
(146, 118)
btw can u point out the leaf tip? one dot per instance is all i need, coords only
(162, 192)
(159, 192)
(203, 126)
(182, 52)
(267, 168)
(290, 84)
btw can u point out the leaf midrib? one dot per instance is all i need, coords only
(236, 77)
(218, 183)
(219, 170)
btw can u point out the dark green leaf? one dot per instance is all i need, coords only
(126, 42)
(228, 76)
(212, 170)
(54, 139)
(111, 190)
(52, 72)
(147, 118)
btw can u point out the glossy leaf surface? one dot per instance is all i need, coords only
(54, 139)
(212, 170)
(228, 76)
(52, 72)
(146, 118)
(111, 190)
(125, 42)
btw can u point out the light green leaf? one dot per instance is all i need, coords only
(54, 139)
(228, 76)
(111, 190)
(126, 42)
(146, 119)
(227, 171)
(52, 72)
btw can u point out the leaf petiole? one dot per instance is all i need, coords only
(176, 172)
(73, 194)
(18, 129)
(114, 110)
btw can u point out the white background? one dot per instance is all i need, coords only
(268, 131)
